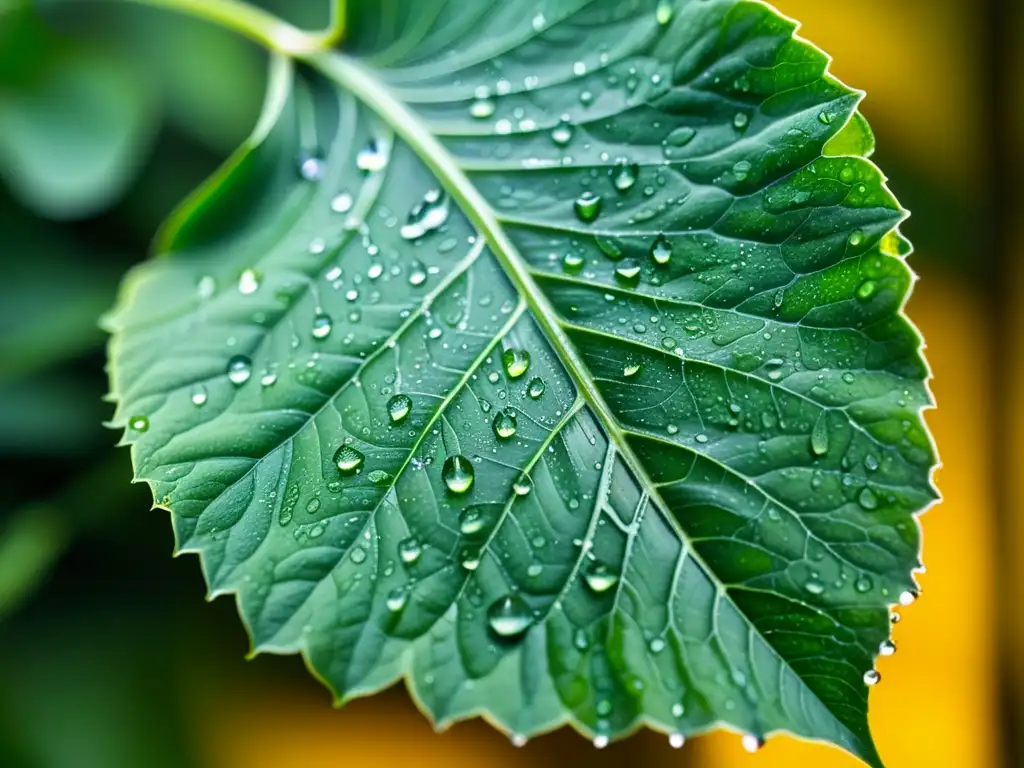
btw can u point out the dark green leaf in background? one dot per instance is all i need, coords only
(550, 355)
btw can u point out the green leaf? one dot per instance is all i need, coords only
(75, 122)
(538, 353)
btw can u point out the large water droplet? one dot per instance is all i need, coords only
(522, 485)
(239, 370)
(481, 109)
(348, 459)
(871, 677)
(588, 206)
(599, 577)
(471, 521)
(887, 648)
(396, 599)
(740, 121)
(866, 290)
(371, 158)
(311, 168)
(248, 282)
(199, 396)
(458, 474)
(627, 271)
(625, 174)
(516, 362)
(661, 251)
(342, 203)
(504, 424)
(664, 12)
(426, 216)
(535, 389)
(417, 274)
(673, 144)
(561, 134)
(819, 435)
(399, 407)
(509, 616)
(867, 498)
(409, 550)
(676, 740)
(752, 742)
(321, 326)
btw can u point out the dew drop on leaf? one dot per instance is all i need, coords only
(661, 251)
(481, 109)
(676, 740)
(856, 238)
(239, 370)
(819, 435)
(867, 290)
(399, 407)
(426, 216)
(199, 396)
(535, 389)
(409, 550)
(631, 369)
(871, 677)
(396, 599)
(561, 134)
(587, 207)
(458, 474)
(417, 274)
(348, 459)
(887, 648)
(867, 498)
(599, 577)
(139, 423)
(625, 174)
(627, 271)
(740, 121)
(509, 616)
(372, 157)
(572, 263)
(471, 521)
(342, 203)
(248, 282)
(752, 742)
(504, 424)
(311, 168)
(516, 362)
(522, 485)
(321, 326)
(907, 598)
(664, 12)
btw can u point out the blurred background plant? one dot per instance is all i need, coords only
(110, 114)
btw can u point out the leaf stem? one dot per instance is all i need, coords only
(259, 25)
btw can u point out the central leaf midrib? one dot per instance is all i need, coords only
(376, 94)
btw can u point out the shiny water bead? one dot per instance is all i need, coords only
(139, 423)
(661, 251)
(871, 677)
(239, 370)
(516, 362)
(535, 389)
(587, 207)
(322, 326)
(458, 474)
(504, 424)
(409, 550)
(599, 577)
(348, 459)
(372, 157)
(509, 616)
(522, 486)
(625, 174)
(399, 407)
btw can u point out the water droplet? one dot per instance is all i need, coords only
(676, 140)
(396, 599)
(522, 486)
(867, 498)
(311, 168)
(741, 170)
(321, 326)
(504, 424)
(534, 570)
(379, 477)
(631, 369)
(740, 121)
(199, 396)
(516, 361)
(678, 710)
(819, 435)
(752, 742)
(887, 648)
(426, 216)
(599, 577)
(856, 238)
(471, 521)
(871, 462)
(239, 370)
(863, 584)
(539, 22)
(269, 379)
(824, 118)
(588, 206)
(372, 157)
(358, 555)
(399, 407)
(625, 175)
(312, 506)
(417, 274)
(409, 550)
(206, 287)
(248, 282)
(867, 290)
(481, 109)
(572, 263)
(676, 740)
(535, 389)
(509, 616)
(561, 134)
(814, 586)
(139, 423)
(317, 246)
(657, 645)
(458, 473)
(664, 12)
(342, 203)
(518, 740)
(348, 459)
(600, 741)
(871, 677)
(907, 598)
(627, 271)
(661, 251)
